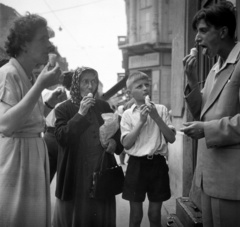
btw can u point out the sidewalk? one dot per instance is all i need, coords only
(169, 207)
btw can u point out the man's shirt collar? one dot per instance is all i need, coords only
(231, 59)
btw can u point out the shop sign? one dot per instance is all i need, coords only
(146, 60)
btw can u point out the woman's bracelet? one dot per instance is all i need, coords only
(48, 105)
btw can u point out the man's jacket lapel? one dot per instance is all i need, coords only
(220, 83)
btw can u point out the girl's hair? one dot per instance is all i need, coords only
(23, 30)
(217, 15)
(134, 77)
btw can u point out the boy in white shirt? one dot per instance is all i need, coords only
(146, 130)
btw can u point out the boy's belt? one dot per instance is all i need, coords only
(149, 157)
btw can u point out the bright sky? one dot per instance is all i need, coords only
(89, 31)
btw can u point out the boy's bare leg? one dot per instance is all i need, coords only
(136, 214)
(154, 214)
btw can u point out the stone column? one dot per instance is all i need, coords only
(132, 21)
(155, 24)
(127, 7)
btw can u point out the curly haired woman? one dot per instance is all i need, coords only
(24, 167)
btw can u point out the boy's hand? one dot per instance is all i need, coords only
(153, 111)
(144, 110)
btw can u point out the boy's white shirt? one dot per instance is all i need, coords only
(150, 141)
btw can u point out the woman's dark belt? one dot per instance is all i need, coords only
(23, 135)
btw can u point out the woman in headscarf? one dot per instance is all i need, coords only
(24, 169)
(77, 131)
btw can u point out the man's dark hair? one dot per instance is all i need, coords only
(217, 15)
(23, 30)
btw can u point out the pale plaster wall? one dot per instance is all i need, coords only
(180, 166)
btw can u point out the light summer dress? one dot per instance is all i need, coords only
(24, 167)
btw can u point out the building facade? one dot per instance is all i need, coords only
(147, 46)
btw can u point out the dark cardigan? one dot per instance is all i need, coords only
(69, 126)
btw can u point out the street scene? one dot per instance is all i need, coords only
(151, 86)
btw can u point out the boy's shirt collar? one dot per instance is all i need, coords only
(133, 107)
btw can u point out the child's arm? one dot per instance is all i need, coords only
(163, 127)
(130, 138)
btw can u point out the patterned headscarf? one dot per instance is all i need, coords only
(75, 86)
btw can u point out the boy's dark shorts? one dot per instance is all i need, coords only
(149, 176)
